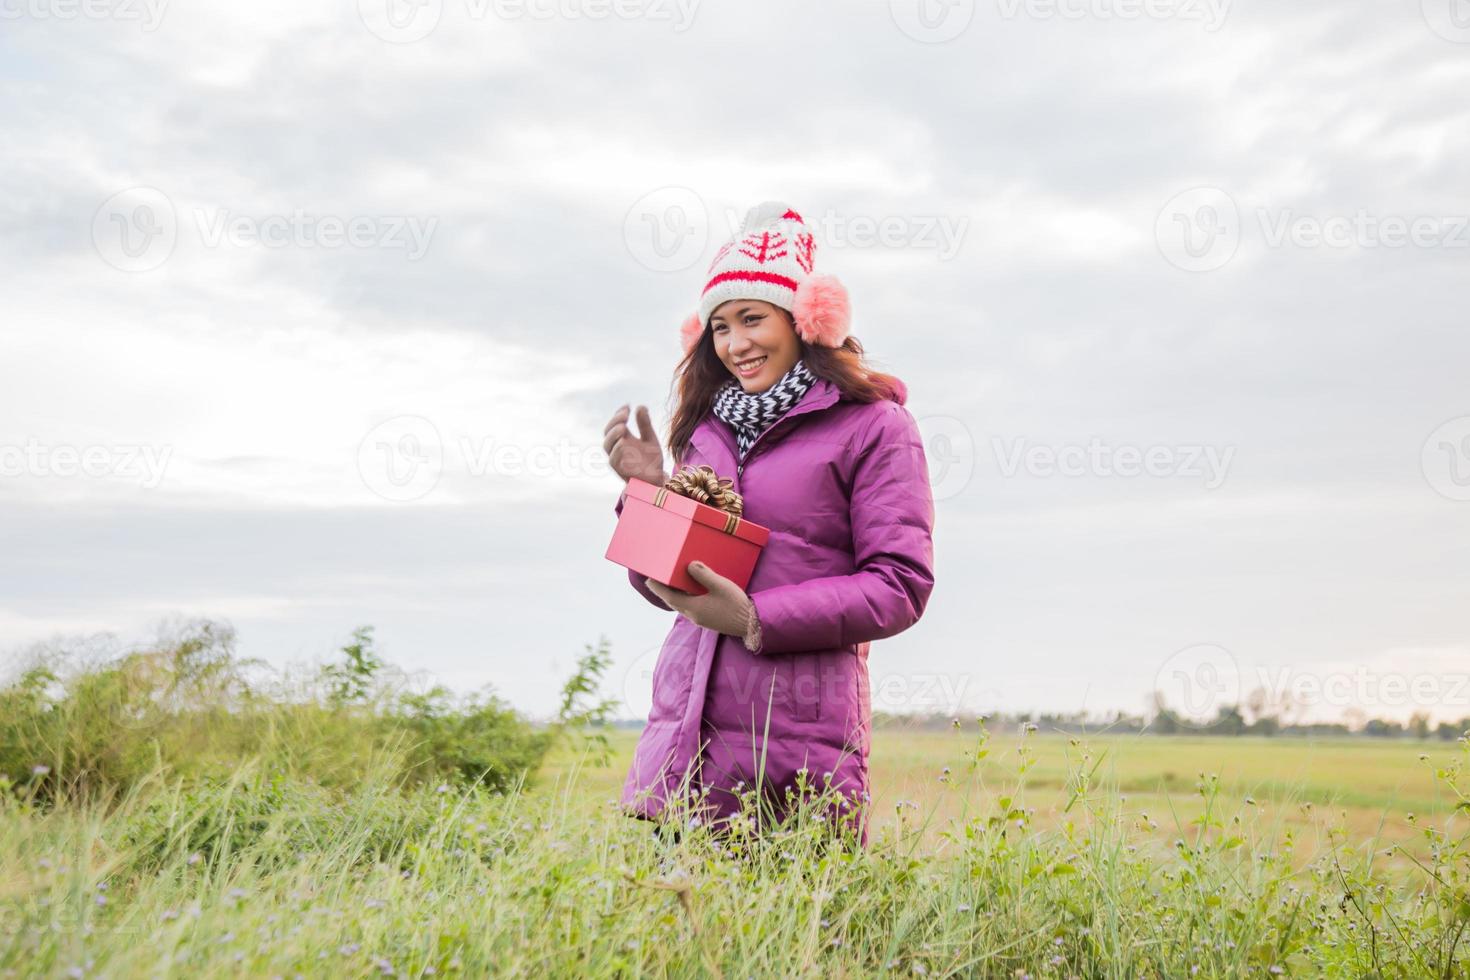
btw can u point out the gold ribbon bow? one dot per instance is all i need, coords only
(701, 483)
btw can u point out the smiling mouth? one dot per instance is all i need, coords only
(751, 366)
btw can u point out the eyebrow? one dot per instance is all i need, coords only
(740, 312)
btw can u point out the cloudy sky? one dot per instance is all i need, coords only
(314, 313)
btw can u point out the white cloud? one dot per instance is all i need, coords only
(1049, 145)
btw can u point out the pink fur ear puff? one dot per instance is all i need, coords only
(822, 312)
(689, 332)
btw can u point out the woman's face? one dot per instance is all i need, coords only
(756, 342)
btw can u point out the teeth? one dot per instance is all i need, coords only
(746, 365)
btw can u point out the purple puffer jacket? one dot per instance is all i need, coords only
(844, 488)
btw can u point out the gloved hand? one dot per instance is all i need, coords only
(629, 455)
(725, 608)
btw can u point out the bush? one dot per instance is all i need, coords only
(87, 720)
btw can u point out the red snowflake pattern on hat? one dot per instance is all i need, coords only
(724, 250)
(768, 246)
(772, 258)
(806, 245)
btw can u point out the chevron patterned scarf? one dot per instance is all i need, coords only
(750, 415)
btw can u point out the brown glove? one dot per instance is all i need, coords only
(629, 455)
(725, 608)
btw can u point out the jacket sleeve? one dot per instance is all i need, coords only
(892, 516)
(634, 577)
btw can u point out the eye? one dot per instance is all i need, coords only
(756, 317)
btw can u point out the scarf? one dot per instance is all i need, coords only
(750, 415)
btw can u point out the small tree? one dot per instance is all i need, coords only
(1163, 721)
(1419, 724)
(351, 682)
(1228, 721)
(582, 711)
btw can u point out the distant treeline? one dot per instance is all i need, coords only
(1228, 720)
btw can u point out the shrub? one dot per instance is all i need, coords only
(88, 720)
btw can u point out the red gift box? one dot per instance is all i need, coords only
(660, 532)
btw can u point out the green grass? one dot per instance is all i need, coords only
(176, 812)
(1037, 861)
(1371, 786)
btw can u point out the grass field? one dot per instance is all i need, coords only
(1377, 789)
(990, 873)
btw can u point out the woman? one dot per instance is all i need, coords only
(756, 690)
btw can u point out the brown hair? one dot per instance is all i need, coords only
(701, 373)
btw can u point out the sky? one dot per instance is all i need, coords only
(314, 314)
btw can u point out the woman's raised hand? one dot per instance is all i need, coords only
(630, 455)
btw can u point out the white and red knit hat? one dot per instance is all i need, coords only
(772, 258)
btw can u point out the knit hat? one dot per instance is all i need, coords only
(772, 258)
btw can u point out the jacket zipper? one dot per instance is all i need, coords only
(798, 409)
